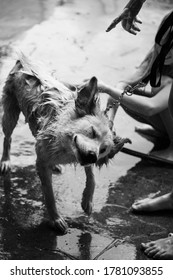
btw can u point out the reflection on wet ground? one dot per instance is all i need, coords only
(112, 231)
(25, 232)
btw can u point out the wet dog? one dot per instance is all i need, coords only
(69, 127)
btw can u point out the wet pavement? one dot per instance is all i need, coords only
(70, 40)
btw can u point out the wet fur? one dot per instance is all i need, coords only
(69, 127)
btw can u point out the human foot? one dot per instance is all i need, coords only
(159, 249)
(163, 202)
(160, 139)
(147, 130)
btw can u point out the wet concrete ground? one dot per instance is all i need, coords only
(72, 42)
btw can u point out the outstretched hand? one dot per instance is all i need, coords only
(128, 17)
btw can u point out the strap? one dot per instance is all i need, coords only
(157, 67)
(164, 27)
(158, 64)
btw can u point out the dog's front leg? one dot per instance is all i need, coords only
(45, 174)
(5, 160)
(88, 192)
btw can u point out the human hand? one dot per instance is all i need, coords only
(100, 85)
(123, 85)
(128, 17)
(130, 25)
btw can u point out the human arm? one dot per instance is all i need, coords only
(139, 101)
(141, 75)
(129, 17)
(139, 104)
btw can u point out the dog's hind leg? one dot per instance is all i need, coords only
(45, 174)
(88, 192)
(9, 121)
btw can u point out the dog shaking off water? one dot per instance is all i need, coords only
(69, 127)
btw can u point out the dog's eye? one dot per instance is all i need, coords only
(94, 133)
(102, 150)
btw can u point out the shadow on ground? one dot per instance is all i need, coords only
(25, 232)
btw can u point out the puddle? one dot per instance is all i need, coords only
(88, 246)
(122, 252)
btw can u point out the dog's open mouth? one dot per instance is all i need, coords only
(118, 145)
(85, 158)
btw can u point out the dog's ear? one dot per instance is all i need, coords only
(87, 97)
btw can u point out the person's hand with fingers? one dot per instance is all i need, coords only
(100, 85)
(130, 25)
(82, 84)
(128, 17)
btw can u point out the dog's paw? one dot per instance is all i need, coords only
(87, 206)
(4, 166)
(60, 225)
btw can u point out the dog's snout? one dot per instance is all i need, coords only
(91, 157)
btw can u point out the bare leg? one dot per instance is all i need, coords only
(168, 123)
(155, 121)
(45, 174)
(143, 109)
(88, 191)
(163, 202)
(159, 249)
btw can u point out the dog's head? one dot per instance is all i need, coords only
(77, 130)
(93, 141)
